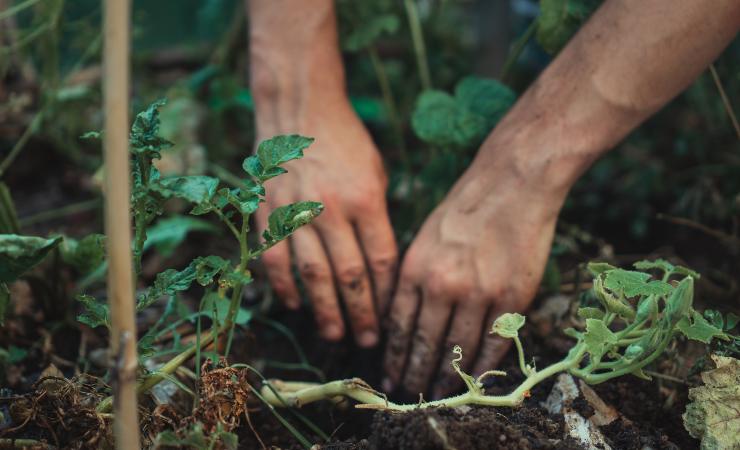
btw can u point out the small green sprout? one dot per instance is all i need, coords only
(639, 315)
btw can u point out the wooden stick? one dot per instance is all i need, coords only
(118, 222)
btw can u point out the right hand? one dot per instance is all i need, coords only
(349, 251)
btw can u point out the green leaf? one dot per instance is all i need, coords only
(610, 302)
(659, 264)
(167, 234)
(590, 313)
(597, 268)
(95, 313)
(283, 221)
(206, 268)
(439, 120)
(4, 301)
(367, 32)
(713, 414)
(195, 188)
(144, 136)
(274, 152)
(678, 305)
(217, 308)
(699, 329)
(18, 254)
(485, 97)
(598, 338)
(84, 255)
(508, 324)
(560, 19)
(632, 284)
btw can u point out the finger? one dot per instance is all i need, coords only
(277, 263)
(353, 281)
(493, 347)
(315, 271)
(465, 331)
(427, 340)
(379, 245)
(401, 322)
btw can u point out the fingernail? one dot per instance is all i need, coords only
(386, 385)
(367, 339)
(332, 332)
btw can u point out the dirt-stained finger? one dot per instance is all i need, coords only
(381, 253)
(400, 326)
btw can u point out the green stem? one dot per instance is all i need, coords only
(417, 38)
(526, 370)
(21, 143)
(13, 10)
(725, 100)
(236, 293)
(63, 211)
(601, 377)
(517, 49)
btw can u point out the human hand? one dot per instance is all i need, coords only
(481, 253)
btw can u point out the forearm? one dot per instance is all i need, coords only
(629, 60)
(295, 63)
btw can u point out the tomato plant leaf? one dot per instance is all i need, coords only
(273, 152)
(560, 19)
(144, 136)
(95, 313)
(86, 254)
(283, 221)
(18, 254)
(195, 188)
(713, 414)
(508, 324)
(167, 234)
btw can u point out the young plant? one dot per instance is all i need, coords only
(636, 318)
(233, 206)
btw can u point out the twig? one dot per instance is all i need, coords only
(21, 143)
(417, 38)
(729, 239)
(725, 100)
(66, 210)
(118, 223)
(517, 50)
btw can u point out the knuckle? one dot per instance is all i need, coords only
(352, 277)
(384, 263)
(272, 260)
(312, 272)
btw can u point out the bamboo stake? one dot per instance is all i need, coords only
(118, 222)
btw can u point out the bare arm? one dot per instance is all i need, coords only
(483, 250)
(298, 83)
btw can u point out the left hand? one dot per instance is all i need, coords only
(481, 253)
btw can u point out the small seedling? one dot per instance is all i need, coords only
(639, 315)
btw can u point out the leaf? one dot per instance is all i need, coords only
(283, 221)
(699, 329)
(274, 152)
(96, 313)
(648, 307)
(144, 136)
(508, 324)
(611, 303)
(167, 234)
(590, 313)
(84, 255)
(632, 283)
(485, 97)
(660, 264)
(597, 268)
(206, 268)
(217, 308)
(367, 32)
(678, 305)
(195, 188)
(598, 337)
(439, 120)
(713, 414)
(560, 19)
(18, 254)
(4, 301)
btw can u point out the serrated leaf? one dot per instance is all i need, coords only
(144, 136)
(85, 255)
(4, 301)
(713, 414)
(367, 32)
(283, 221)
(95, 313)
(590, 313)
(699, 329)
(195, 188)
(485, 97)
(598, 338)
(265, 164)
(660, 264)
(438, 119)
(632, 283)
(610, 302)
(508, 324)
(167, 234)
(597, 268)
(19, 254)
(206, 268)
(560, 19)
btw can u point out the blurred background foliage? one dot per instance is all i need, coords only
(675, 178)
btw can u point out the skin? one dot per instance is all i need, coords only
(483, 250)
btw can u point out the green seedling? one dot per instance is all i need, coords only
(638, 316)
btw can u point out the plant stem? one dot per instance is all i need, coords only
(21, 143)
(417, 38)
(526, 370)
(725, 100)
(24, 443)
(72, 208)
(236, 293)
(517, 50)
